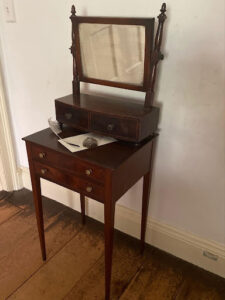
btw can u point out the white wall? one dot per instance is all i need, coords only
(1, 172)
(188, 184)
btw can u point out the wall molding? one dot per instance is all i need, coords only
(9, 176)
(163, 236)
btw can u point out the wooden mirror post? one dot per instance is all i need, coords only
(76, 81)
(156, 57)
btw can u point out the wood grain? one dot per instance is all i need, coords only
(75, 265)
(120, 118)
(56, 278)
(20, 250)
(114, 186)
(7, 210)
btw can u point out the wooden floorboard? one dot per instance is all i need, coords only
(4, 194)
(20, 253)
(7, 210)
(154, 281)
(60, 274)
(127, 261)
(74, 269)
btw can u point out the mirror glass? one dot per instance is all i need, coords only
(113, 52)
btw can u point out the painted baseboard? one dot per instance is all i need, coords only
(170, 239)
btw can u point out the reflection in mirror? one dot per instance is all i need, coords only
(113, 52)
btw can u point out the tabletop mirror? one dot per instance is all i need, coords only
(114, 54)
(117, 52)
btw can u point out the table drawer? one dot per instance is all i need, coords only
(118, 127)
(71, 115)
(86, 187)
(68, 163)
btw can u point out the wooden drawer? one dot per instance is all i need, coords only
(86, 187)
(120, 118)
(71, 115)
(68, 163)
(117, 127)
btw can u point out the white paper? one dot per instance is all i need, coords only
(78, 140)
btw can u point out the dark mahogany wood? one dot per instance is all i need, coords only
(151, 59)
(73, 116)
(117, 117)
(114, 126)
(145, 197)
(109, 216)
(77, 183)
(82, 206)
(71, 165)
(123, 119)
(100, 157)
(155, 57)
(36, 187)
(148, 23)
(103, 173)
(74, 51)
(116, 167)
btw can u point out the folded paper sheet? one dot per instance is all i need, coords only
(79, 139)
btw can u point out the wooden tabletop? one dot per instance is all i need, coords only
(107, 156)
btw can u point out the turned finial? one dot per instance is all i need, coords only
(163, 8)
(162, 16)
(73, 10)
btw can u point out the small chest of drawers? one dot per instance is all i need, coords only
(85, 178)
(104, 173)
(123, 120)
(68, 164)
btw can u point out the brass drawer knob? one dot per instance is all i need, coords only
(42, 155)
(68, 116)
(88, 189)
(110, 127)
(44, 171)
(88, 172)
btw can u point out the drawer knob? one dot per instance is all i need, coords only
(68, 116)
(88, 172)
(43, 171)
(88, 189)
(42, 154)
(110, 127)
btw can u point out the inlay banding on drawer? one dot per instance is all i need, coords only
(72, 116)
(118, 127)
(70, 164)
(78, 184)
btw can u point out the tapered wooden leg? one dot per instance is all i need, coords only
(36, 187)
(145, 198)
(109, 209)
(82, 205)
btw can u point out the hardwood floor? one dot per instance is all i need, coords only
(75, 260)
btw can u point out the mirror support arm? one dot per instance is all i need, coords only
(155, 58)
(76, 81)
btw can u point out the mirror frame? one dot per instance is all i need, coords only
(147, 23)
